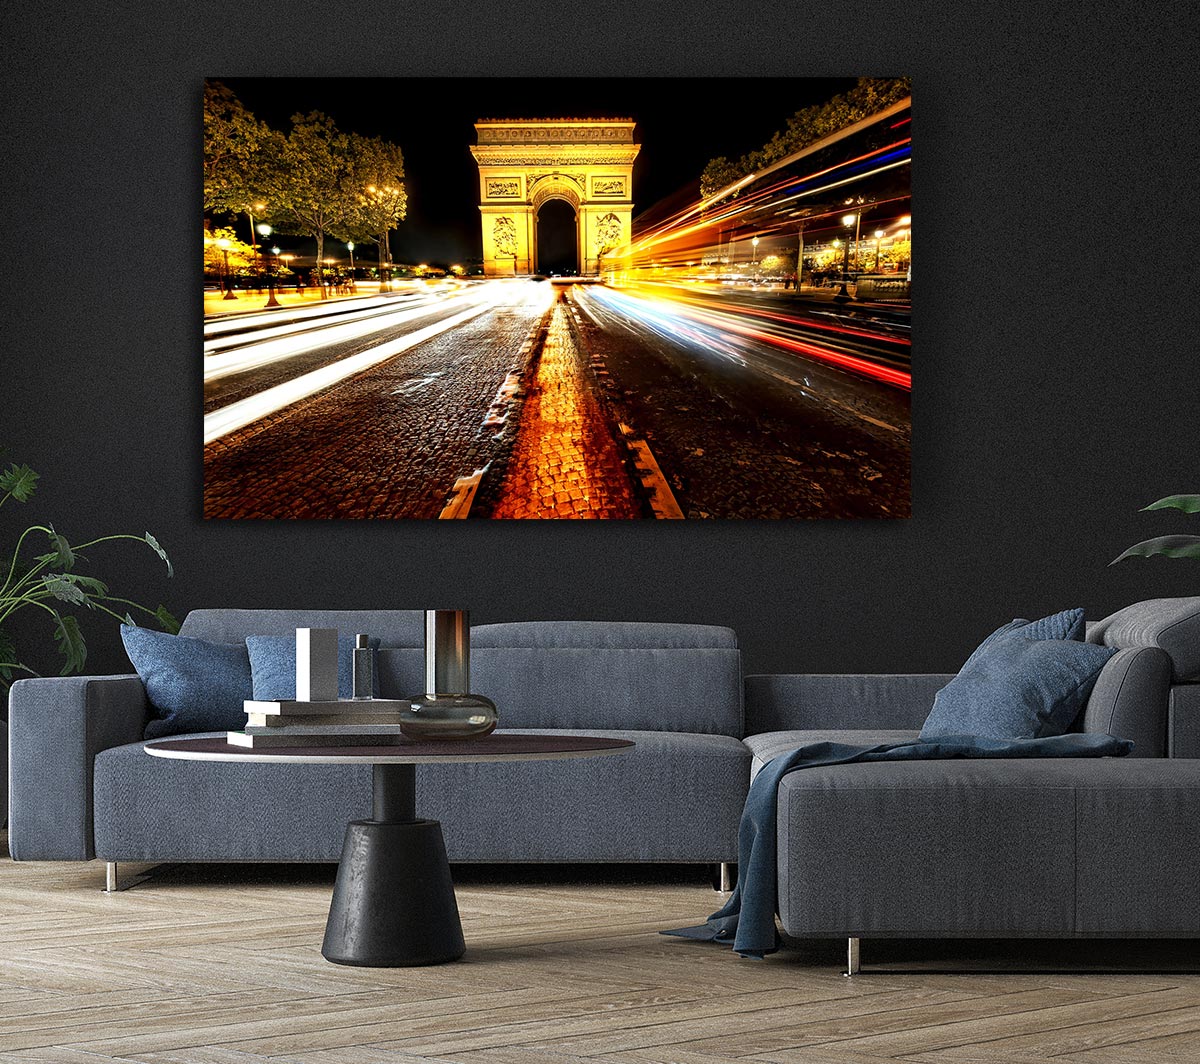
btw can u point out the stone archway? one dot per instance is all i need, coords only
(524, 163)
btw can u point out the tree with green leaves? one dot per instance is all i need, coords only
(307, 182)
(807, 126)
(233, 138)
(375, 199)
(48, 581)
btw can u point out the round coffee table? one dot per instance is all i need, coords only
(393, 903)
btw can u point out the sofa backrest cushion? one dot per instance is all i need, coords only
(1130, 699)
(393, 628)
(868, 701)
(600, 674)
(1171, 624)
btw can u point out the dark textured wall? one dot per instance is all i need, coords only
(1055, 333)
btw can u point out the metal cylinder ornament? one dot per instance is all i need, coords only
(447, 709)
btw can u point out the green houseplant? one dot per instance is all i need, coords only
(51, 582)
(1170, 546)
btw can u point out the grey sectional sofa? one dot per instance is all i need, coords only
(997, 849)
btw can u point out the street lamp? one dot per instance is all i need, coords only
(259, 207)
(224, 244)
(350, 245)
(264, 231)
(271, 271)
(878, 237)
(848, 222)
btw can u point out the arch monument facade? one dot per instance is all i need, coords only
(524, 163)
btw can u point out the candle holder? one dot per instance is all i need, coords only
(447, 710)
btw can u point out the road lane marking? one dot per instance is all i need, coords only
(246, 411)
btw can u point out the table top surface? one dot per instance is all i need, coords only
(492, 747)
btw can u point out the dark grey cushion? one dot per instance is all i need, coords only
(783, 702)
(767, 745)
(1183, 721)
(991, 848)
(674, 797)
(1172, 624)
(394, 628)
(611, 635)
(1129, 700)
(57, 725)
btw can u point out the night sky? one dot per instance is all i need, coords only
(682, 123)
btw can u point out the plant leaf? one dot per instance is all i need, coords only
(1171, 546)
(62, 555)
(8, 654)
(19, 481)
(88, 583)
(129, 620)
(1189, 504)
(70, 644)
(167, 620)
(61, 586)
(154, 546)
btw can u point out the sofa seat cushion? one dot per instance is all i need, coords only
(1020, 848)
(676, 796)
(771, 744)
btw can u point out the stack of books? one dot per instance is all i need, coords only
(365, 722)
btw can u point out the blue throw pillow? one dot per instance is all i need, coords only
(1027, 680)
(192, 685)
(273, 666)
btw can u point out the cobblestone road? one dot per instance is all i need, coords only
(388, 443)
(566, 463)
(741, 444)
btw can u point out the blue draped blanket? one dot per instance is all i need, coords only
(748, 918)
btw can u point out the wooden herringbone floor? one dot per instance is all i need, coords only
(221, 965)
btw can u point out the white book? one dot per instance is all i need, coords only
(272, 720)
(273, 740)
(293, 708)
(322, 729)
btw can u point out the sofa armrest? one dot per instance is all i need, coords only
(56, 728)
(1129, 700)
(867, 701)
(1183, 721)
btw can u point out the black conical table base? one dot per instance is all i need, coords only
(393, 904)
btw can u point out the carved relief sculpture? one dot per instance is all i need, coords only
(503, 188)
(504, 236)
(608, 233)
(608, 186)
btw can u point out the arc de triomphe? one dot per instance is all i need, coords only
(524, 163)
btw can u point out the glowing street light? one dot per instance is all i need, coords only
(272, 269)
(225, 244)
(848, 223)
(878, 237)
(264, 231)
(350, 245)
(754, 244)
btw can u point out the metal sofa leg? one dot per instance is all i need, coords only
(852, 956)
(115, 884)
(726, 875)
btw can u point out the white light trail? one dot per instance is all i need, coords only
(255, 355)
(246, 411)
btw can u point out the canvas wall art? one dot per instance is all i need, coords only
(511, 299)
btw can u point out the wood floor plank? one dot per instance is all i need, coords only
(221, 965)
(933, 1035)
